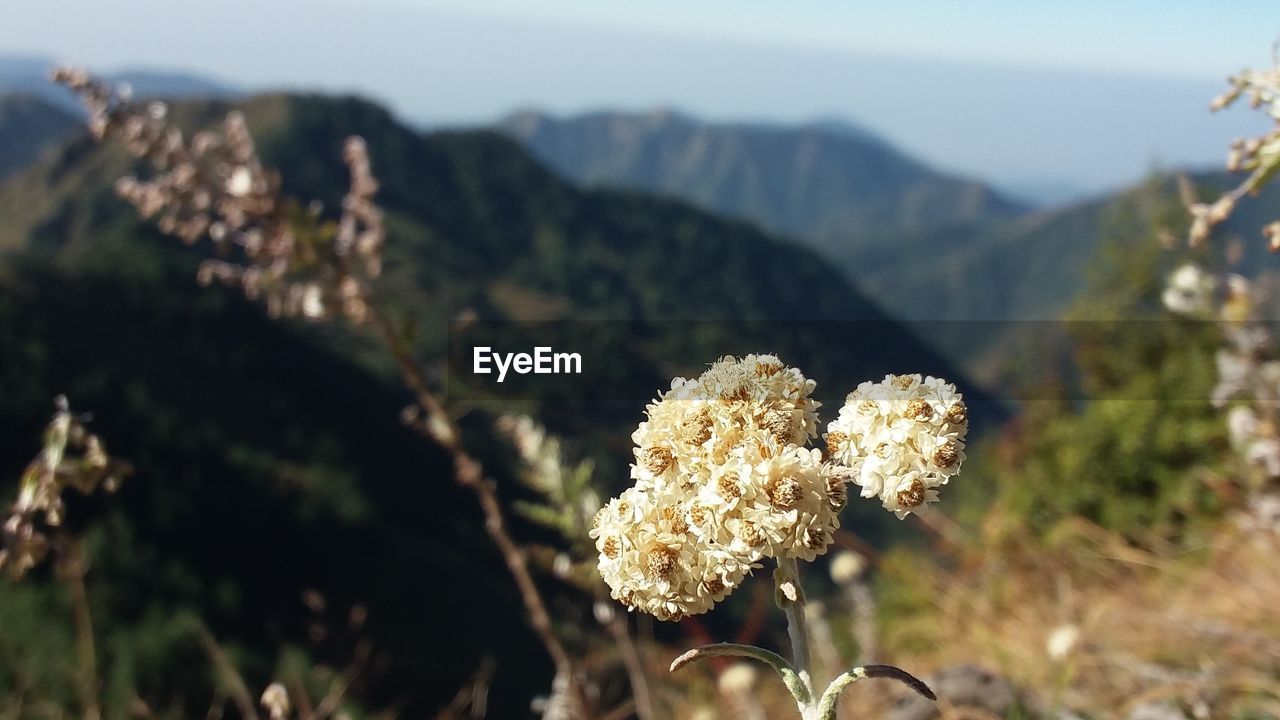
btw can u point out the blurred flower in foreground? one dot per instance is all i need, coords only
(1259, 156)
(1062, 641)
(1237, 304)
(849, 572)
(1189, 291)
(275, 699)
(738, 678)
(847, 567)
(215, 185)
(1254, 438)
(72, 458)
(901, 439)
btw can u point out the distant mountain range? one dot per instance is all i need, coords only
(927, 245)
(824, 182)
(1046, 192)
(29, 75)
(1031, 267)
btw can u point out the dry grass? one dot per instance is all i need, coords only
(1199, 626)
(1196, 624)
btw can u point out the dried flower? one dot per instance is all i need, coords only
(72, 457)
(654, 562)
(902, 438)
(847, 567)
(722, 481)
(215, 186)
(1259, 156)
(738, 678)
(1189, 291)
(1062, 641)
(275, 699)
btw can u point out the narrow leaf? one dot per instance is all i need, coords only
(774, 660)
(831, 698)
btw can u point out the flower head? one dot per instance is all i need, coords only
(722, 481)
(847, 567)
(1189, 291)
(1061, 641)
(900, 439)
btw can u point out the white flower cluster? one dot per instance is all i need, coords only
(1246, 372)
(1189, 291)
(722, 480)
(900, 439)
(1193, 292)
(1254, 438)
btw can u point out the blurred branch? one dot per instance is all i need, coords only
(231, 680)
(72, 570)
(217, 186)
(472, 700)
(470, 474)
(72, 457)
(621, 633)
(332, 700)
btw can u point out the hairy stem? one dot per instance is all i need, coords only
(790, 596)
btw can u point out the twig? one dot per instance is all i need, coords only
(622, 712)
(471, 701)
(617, 626)
(232, 682)
(332, 699)
(301, 698)
(279, 266)
(469, 473)
(72, 567)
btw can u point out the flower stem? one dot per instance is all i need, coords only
(73, 570)
(790, 597)
(798, 630)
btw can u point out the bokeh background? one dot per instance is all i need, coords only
(987, 192)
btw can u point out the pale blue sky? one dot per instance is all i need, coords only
(1174, 37)
(1086, 92)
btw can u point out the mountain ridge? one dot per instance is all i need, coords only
(822, 181)
(30, 75)
(30, 126)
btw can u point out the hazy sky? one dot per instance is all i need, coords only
(1087, 92)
